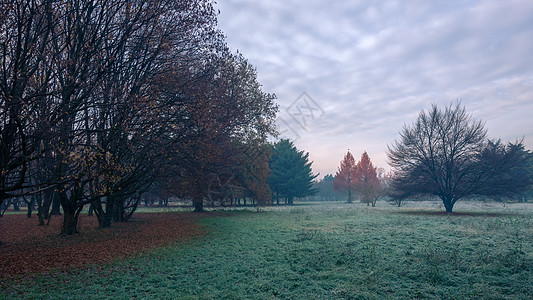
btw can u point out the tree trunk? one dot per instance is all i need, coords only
(47, 197)
(132, 209)
(118, 209)
(16, 205)
(198, 203)
(98, 210)
(290, 200)
(70, 219)
(349, 196)
(56, 205)
(70, 222)
(448, 204)
(40, 213)
(91, 210)
(31, 205)
(108, 214)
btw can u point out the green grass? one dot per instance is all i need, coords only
(321, 252)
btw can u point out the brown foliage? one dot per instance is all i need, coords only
(367, 182)
(28, 249)
(345, 179)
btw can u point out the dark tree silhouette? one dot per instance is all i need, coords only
(24, 77)
(291, 172)
(445, 153)
(97, 97)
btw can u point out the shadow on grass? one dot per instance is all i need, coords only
(456, 214)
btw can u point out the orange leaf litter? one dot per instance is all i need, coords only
(27, 248)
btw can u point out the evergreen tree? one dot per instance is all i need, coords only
(291, 175)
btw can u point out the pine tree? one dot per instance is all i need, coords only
(291, 175)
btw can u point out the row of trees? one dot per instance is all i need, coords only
(101, 101)
(445, 153)
(361, 178)
(291, 177)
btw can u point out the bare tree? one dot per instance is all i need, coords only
(96, 97)
(445, 153)
(24, 34)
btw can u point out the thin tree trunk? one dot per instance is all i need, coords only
(132, 210)
(56, 205)
(108, 215)
(98, 210)
(31, 206)
(47, 197)
(91, 210)
(40, 213)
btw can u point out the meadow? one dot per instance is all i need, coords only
(320, 251)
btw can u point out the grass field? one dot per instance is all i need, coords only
(323, 251)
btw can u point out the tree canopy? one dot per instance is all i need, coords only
(101, 100)
(445, 153)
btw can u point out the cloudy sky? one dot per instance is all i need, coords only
(350, 74)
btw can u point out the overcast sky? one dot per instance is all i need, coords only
(350, 74)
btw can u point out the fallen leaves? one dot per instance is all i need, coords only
(28, 249)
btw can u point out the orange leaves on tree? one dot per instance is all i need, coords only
(367, 183)
(361, 178)
(345, 178)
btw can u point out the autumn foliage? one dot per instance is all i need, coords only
(101, 101)
(367, 183)
(346, 176)
(360, 178)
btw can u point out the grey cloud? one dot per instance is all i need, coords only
(372, 66)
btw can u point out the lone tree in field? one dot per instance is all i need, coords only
(346, 176)
(291, 175)
(367, 183)
(446, 153)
